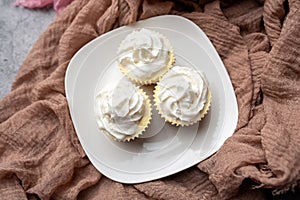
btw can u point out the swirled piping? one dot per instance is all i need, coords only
(145, 54)
(119, 111)
(182, 94)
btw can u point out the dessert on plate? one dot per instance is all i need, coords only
(182, 96)
(145, 55)
(123, 112)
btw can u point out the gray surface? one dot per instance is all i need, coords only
(19, 29)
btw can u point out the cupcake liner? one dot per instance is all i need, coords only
(179, 122)
(154, 79)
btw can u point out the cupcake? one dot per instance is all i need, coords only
(182, 96)
(144, 56)
(124, 112)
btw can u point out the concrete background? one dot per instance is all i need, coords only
(19, 29)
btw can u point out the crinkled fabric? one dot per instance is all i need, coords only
(259, 43)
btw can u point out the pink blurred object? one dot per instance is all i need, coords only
(57, 4)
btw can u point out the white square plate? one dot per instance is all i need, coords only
(163, 149)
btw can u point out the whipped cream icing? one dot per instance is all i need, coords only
(182, 94)
(119, 111)
(144, 54)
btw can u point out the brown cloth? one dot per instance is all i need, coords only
(259, 43)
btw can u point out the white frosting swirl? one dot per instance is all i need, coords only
(119, 111)
(144, 54)
(182, 94)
